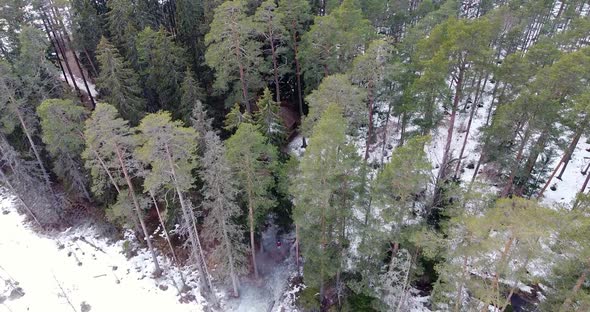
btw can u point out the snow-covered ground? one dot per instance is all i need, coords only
(64, 272)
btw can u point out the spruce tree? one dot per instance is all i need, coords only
(118, 82)
(253, 162)
(235, 118)
(268, 119)
(162, 65)
(123, 27)
(221, 229)
(192, 95)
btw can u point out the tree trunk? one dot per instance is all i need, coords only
(92, 66)
(297, 248)
(34, 148)
(531, 161)
(167, 238)
(274, 62)
(496, 282)
(67, 36)
(370, 127)
(384, 138)
(148, 240)
(579, 283)
(78, 180)
(471, 114)
(192, 230)
(564, 159)
(508, 186)
(252, 243)
(298, 72)
(234, 277)
(238, 54)
(458, 302)
(585, 183)
(5, 180)
(572, 148)
(59, 60)
(451, 128)
(62, 50)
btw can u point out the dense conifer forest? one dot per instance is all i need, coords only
(404, 155)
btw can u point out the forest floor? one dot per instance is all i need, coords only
(81, 270)
(275, 265)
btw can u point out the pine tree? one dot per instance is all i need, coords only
(268, 119)
(168, 149)
(394, 191)
(62, 124)
(313, 189)
(253, 161)
(190, 27)
(495, 250)
(233, 52)
(268, 22)
(220, 193)
(369, 71)
(110, 142)
(333, 41)
(23, 179)
(162, 67)
(87, 30)
(297, 16)
(337, 89)
(19, 96)
(118, 83)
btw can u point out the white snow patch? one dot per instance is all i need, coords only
(107, 281)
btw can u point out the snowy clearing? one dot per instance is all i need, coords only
(64, 272)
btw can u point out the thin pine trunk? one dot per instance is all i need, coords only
(297, 72)
(384, 138)
(78, 179)
(471, 114)
(274, 62)
(148, 240)
(571, 148)
(168, 239)
(238, 55)
(234, 277)
(579, 283)
(192, 230)
(370, 127)
(34, 148)
(5, 180)
(61, 49)
(59, 60)
(91, 62)
(251, 225)
(508, 186)
(67, 36)
(447, 151)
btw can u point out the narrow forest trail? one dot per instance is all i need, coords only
(77, 270)
(275, 266)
